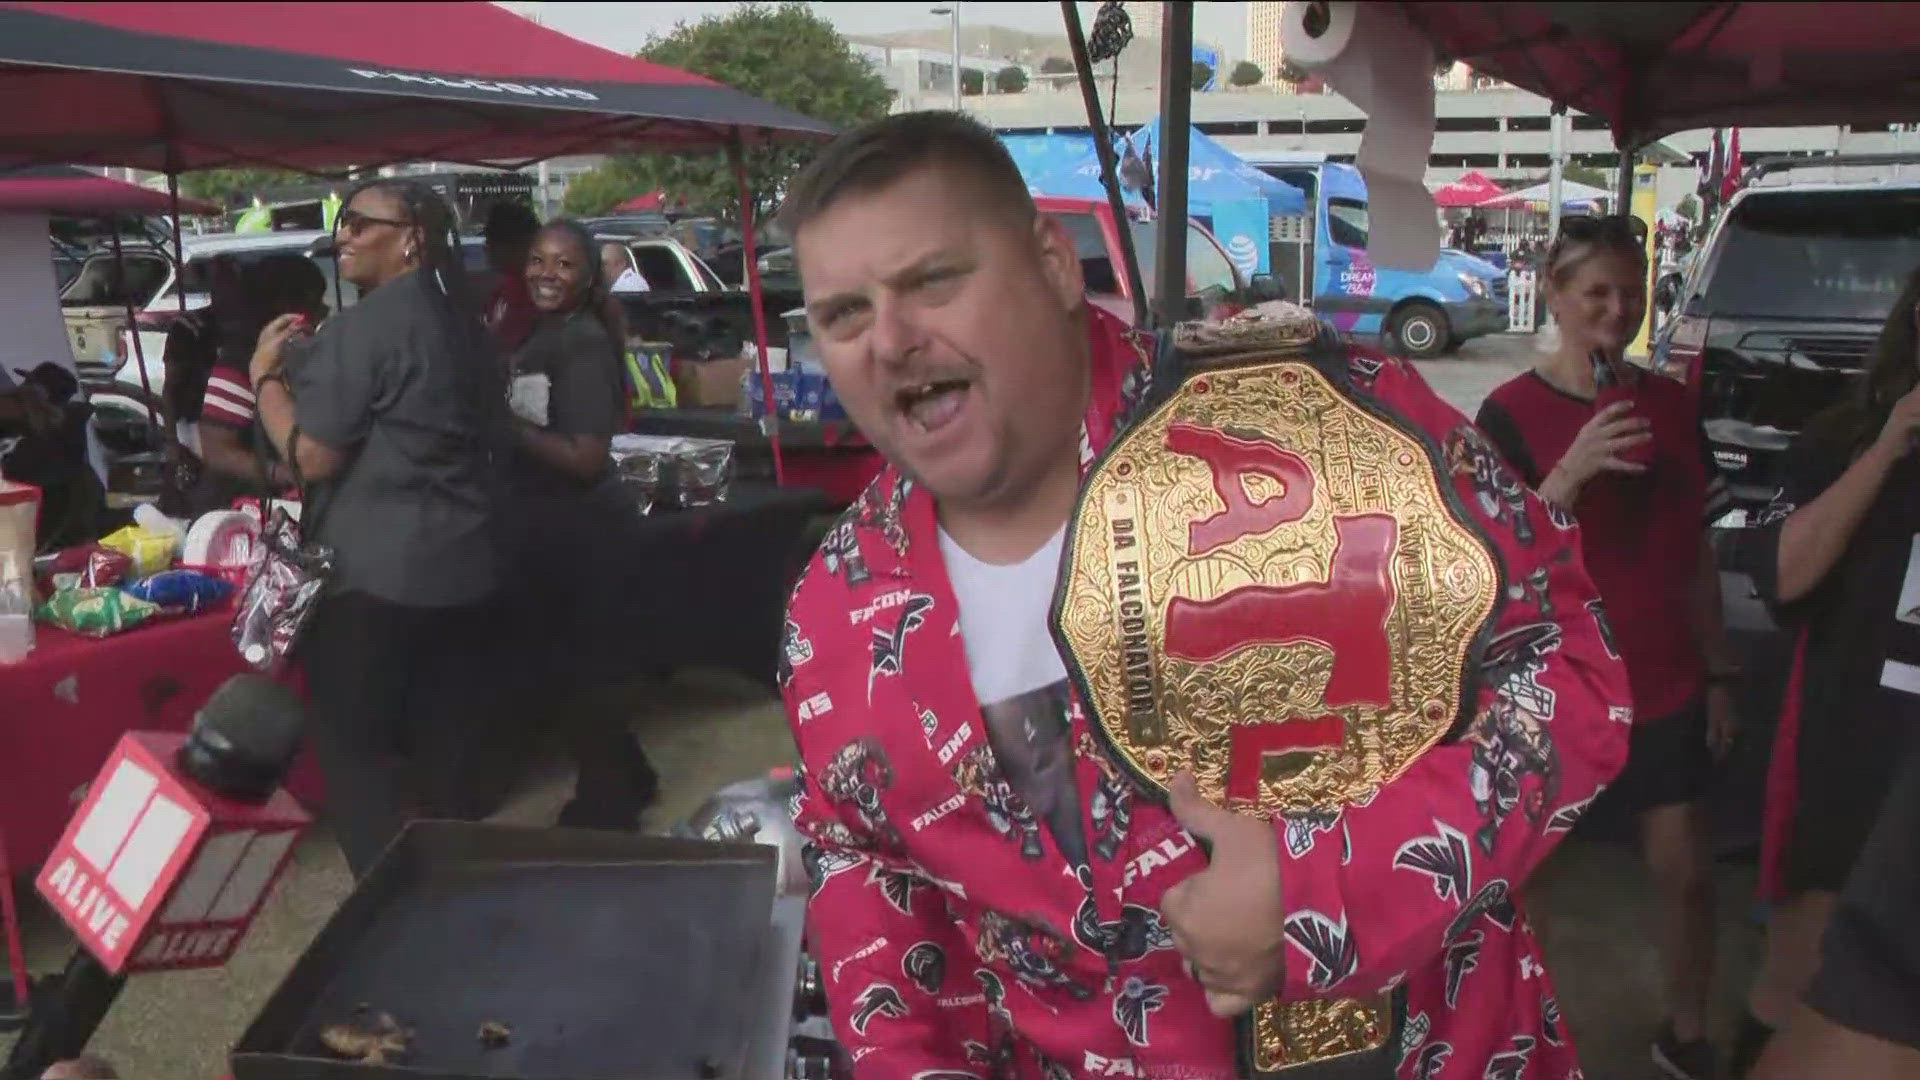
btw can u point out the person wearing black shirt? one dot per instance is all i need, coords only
(1861, 1018)
(389, 417)
(1836, 558)
(568, 398)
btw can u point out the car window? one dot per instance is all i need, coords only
(1207, 265)
(662, 269)
(1347, 222)
(101, 282)
(1102, 277)
(709, 280)
(1832, 255)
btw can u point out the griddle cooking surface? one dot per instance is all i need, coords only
(624, 970)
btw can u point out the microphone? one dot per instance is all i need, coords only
(243, 741)
(180, 836)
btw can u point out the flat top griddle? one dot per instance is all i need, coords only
(610, 956)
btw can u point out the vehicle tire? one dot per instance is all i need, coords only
(1420, 329)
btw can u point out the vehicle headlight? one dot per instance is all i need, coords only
(1475, 286)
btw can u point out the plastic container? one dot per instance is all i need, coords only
(19, 523)
(1609, 387)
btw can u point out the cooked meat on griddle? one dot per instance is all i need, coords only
(378, 1042)
(494, 1034)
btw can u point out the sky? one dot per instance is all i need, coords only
(625, 26)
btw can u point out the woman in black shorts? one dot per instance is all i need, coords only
(1836, 560)
(1639, 479)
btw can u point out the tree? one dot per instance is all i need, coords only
(1202, 75)
(229, 185)
(599, 190)
(784, 54)
(1056, 65)
(1246, 73)
(1010, 80)
(1581, 174)
(972, 82)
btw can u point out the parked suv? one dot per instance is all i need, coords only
(1781, 310)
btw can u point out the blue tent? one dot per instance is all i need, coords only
(1038, 155)
(1214, 174)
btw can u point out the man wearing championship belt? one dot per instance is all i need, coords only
(1203, 735)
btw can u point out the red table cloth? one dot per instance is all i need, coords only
(64, 706)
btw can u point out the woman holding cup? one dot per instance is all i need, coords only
(1621, 452)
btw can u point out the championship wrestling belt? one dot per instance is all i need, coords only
(1267, 584)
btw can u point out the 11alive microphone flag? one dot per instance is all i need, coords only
(156, 871)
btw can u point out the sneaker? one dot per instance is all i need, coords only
(1692, 1060)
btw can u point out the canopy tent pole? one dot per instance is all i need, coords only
(1176, 111)
(133, 324)
(751, 263)
(1109, 165)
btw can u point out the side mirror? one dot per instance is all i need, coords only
(1265, 287)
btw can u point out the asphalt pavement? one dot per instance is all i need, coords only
(705, 731)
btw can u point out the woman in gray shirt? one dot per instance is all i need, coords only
(387, 415)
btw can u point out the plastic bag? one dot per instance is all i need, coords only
(88, 566)
(96, 612)
(151, 550)
(283, 588)
(186, 591)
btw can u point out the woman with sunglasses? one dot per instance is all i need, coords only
(569, 401)
(1636, 473)
(388, 417)
(1836, 560)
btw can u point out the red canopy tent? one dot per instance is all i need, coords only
(1652, 69)
(62, 189)
(1470, 189)
(652, 200)
(172, 87)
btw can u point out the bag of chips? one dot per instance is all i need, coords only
(87, 566)
(96, 612)
(152, 550)
(183, 591)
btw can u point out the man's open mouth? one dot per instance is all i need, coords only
(930, 405)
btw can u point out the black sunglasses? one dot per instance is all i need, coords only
(351, 222)
(1611, 227)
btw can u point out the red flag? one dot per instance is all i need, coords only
(1730, 180)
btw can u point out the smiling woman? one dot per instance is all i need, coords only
(568, 402)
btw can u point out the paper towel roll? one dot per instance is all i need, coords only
(1374, 58)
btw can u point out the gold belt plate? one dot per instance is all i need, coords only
(1266, 585)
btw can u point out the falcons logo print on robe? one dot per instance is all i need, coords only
(926, 965)
(897, 886)
(878, 999)
(1304, 826)
(1514, 662)
(1511, 1064)
(840, 553)
(1598, 610)
(944, 1074)
(858, 773)
(1567, 816)
(1432, 1058)
(822, 864)
(1491, 901)
(1445, 857)
(1463, 957)
(1550, 1018)
(1138, 931)
(889, 643)
(1326, 943)
(1137, 1000)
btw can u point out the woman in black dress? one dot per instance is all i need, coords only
(1837, 561)
(568, 397)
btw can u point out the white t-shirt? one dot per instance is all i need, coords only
(1019, 678)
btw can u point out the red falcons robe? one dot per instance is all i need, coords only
(955, 939)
